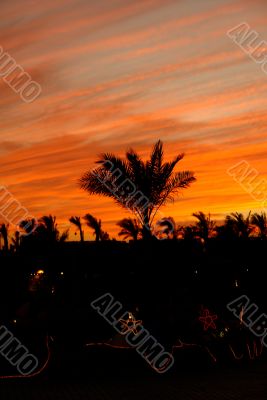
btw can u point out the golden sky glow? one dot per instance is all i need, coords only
(123, 73)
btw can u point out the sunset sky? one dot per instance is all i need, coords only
(117, 74)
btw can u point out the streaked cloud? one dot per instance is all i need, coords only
(117, 74)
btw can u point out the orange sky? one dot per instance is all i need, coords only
(121, 73)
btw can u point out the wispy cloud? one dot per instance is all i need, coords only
(120, 73)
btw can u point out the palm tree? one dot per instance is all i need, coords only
(104, 236)
(205, 226)
(139, 186)
(28, 226)
(77, 222)
(260, 221)
(189, 232)
(64, 236)
(47, 229)
(130, 228)
(167, 226)
(95, 224)
(16, 240)
(4, 234)
(240, 226)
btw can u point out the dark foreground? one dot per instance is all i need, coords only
(166, 286)
(243, 382)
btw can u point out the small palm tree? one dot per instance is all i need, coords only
(16, 240)
(64, 236)
(260, 221)
(240, 225)
(205, 226)
(167, 226)
(77, 222)
(4, 234)
(104, 236)
(139, 186)
(48, 227)
(47, 230)
(28, 226)
(189, 232)
(95, 224)
(130, 228)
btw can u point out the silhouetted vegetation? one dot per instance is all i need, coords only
(130, 228)
(48, 281)
(77, 222)
(139, 186)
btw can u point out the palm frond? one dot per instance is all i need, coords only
(123, 180)
(130, 228)
(75, 221)
(64, 236)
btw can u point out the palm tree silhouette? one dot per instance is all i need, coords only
(205, 226)
(130, 228)
(16, 240)
(260, 221)
(63, 236)
(4, 234)
(189, 232)
(77, 222)
(95, 224)
(139, 186)
(240, 226)
(43, 230)
(167, 226)
(28, 226)
(104, 236)
(47, 229)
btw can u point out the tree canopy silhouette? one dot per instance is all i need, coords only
(139, 186)
(129, 228)
(96, 225)
(260, 221)
(4, 234)
(205, 226)
(76, 221)
(240, 225)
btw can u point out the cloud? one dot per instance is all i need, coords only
(123, 74)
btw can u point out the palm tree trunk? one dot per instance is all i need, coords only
(5, 237)
(146, 229)
(81, 234)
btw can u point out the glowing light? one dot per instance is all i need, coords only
(234, 353)
(130, 324)
(211, 354)
(180, 344)
(208, 320)
(255, 350)
(62, 273)
(38, 372)
(241, 315)
(113, 346)
(40, 272)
